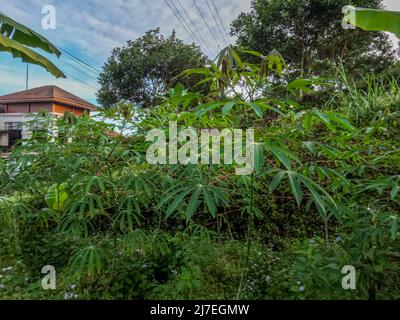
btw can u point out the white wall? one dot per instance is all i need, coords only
(16, 117)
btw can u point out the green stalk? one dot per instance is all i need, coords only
(245, 270)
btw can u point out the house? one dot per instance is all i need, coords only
(18, 108)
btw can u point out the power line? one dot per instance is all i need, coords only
(192, 23)
(188, 31)
(79, 70)
(220, 20)
(184, 23)
(182, 20)
(208, 26)
(80, 80)
(92, 69)
(222, 34)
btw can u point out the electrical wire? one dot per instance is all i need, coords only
(208, 26)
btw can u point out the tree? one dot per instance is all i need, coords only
(310, 36)
(146, 68)
(17, 39)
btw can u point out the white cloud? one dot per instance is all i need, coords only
(92, 28)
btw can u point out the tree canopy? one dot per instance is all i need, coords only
(146, 68)
(310, 35)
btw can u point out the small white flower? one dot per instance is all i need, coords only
(73, 286)
(267, 279)
(68, 295)
(2, 286)
(301, 289)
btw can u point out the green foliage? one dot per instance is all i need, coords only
(146, 69)
(56, 197)
(22, 40)
(310, 36)
(373, 20)
(324, 194)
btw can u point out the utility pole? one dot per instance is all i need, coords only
(27, 76)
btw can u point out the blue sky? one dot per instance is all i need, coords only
(90, 29)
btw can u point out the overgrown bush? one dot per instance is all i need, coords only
(324, 194)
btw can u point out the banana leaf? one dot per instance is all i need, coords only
(373, 20)
(25, 35)
(28, 55)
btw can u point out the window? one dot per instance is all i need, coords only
(13, 125)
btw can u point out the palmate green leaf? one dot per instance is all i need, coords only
(373, 20)
(87, 259)
(317, 193)
(256, 108)
(330, 119)
(284, 156)
(193, 203)
(254, 53)
(228, 55)
(210, 202)
(56, 197)
(316, 196)
(342, 122)
(394, 226)
(205, 108)
(296, 190)
(394, 192)
(129, 210)
(25, 35)
(265, 106)
(201, 71)
(190, 196)
(310, 146)
(258, 157)
(228, 107)
(235, 56)
(304, 85)
(276, 181)
(275, 61)
(178, 201)
(27, 55)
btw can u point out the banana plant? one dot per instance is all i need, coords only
(373, 20)
(18, 40)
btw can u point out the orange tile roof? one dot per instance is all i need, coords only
(47, 94)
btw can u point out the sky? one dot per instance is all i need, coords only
(90, 29)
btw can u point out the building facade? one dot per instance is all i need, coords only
(16, 109)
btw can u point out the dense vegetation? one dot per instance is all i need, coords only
(146, 68)
(311, 36)
(324, 193)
